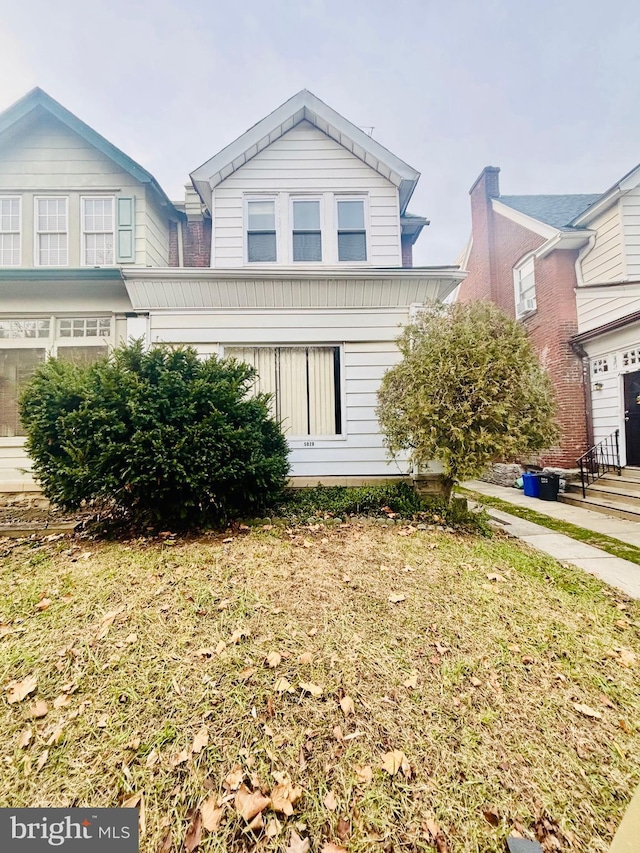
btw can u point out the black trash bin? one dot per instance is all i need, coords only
(549, 484)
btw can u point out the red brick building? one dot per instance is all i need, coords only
(522, 256)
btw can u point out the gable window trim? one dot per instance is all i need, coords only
(313, 198)
(84, 231)
(524, 286)
(11, 232)
(37, 232)
(337, 379)
(248, 200)
(365, 229)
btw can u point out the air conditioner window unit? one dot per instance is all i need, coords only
(527, 305)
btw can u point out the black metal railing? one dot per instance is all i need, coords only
(600, 459)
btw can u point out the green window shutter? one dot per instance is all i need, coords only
(126, 227)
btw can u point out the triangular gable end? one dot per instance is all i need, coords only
(304, 106)
(38, 100)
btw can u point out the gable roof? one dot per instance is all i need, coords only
(36, 103)
(304, 106)
(555, 210)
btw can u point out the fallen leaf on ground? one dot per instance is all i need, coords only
(330, 801)
(330, 847)
(282, 686)
(306, 658)
(343, 829)
(397, 597)
(284, 795)
(364, 773)
(626, 657)
(55, 736)
(307, 543)
(586, 711)
(606, 701)
(297, 844)
(39, 709)
(274, 659)
(43, 604)
(25, 738)
(250, 803)
(19, 690)
(346, 703)
(224, 604)
(102, 721)
(106, 622)
(194, 834)
(475, 681)
(42, 760)
(177, 758)
(210, 813)
(62, 701)
(233, 779)
(245, 674)
(412, 681)
(491, 816)
(166, 843)
(435, 834)
(152, 758)
(273, 828)
(200, 740)
(494, 576)
(394, 761)
(314, 689)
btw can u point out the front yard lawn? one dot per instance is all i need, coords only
(377, 688)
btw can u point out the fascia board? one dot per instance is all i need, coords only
(528, 222)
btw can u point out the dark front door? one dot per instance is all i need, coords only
(632, 416)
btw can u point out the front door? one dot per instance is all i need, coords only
(632, 416)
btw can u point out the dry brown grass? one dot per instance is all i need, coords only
(491, 727)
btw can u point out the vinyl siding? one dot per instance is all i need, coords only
(367, 339)
(50, 159)
(605, 263)
(630, 204)
(305, 160)
(14, 462)
(597, 306)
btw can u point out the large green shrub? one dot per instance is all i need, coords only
(469, 391)
(167, 437)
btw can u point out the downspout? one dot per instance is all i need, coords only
(180, 246)
(579, 349)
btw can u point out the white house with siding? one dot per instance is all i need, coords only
(608, 307)
(291, 251)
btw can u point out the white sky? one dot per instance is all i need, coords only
(547, 90)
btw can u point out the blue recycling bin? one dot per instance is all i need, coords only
(531, 485)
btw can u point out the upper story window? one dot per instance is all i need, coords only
(10, 231)
(261, 231)
(98, 231)
(52, 235)
(525, 287)
(352, 233)
(307, 232)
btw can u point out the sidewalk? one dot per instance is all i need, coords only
(622, 574)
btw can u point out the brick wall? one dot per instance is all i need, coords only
(498, 244)
(196, 236)
(173, 245)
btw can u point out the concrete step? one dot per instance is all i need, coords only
(616, 492)
(631, 484)
(619, 509)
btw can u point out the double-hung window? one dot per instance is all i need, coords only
(304, 382)
(352, 232)
(307, 234)
(261, 231)
(525, 287)
(10, 231)
(98, 231)
(52, 235)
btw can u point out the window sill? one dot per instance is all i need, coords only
(527, 315)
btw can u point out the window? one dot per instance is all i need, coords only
(525, 288)
(307, 237)
(600, 365)
(51, 247)
(304, 382)
(25, 342)
(352, 235)
(9, 231)
(261, 231)
(98, 231)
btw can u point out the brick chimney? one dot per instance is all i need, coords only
(485, 188)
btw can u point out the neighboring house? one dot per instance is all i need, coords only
(291, 250)
(522, 256)
(608, 312)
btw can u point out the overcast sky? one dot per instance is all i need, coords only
(547, 90)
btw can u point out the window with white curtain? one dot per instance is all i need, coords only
(10, 231)
(98, 231)
(304, 383)
(52, 236)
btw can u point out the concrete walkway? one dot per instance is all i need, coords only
(622, 574)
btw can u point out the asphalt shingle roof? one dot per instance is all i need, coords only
(555, 210)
